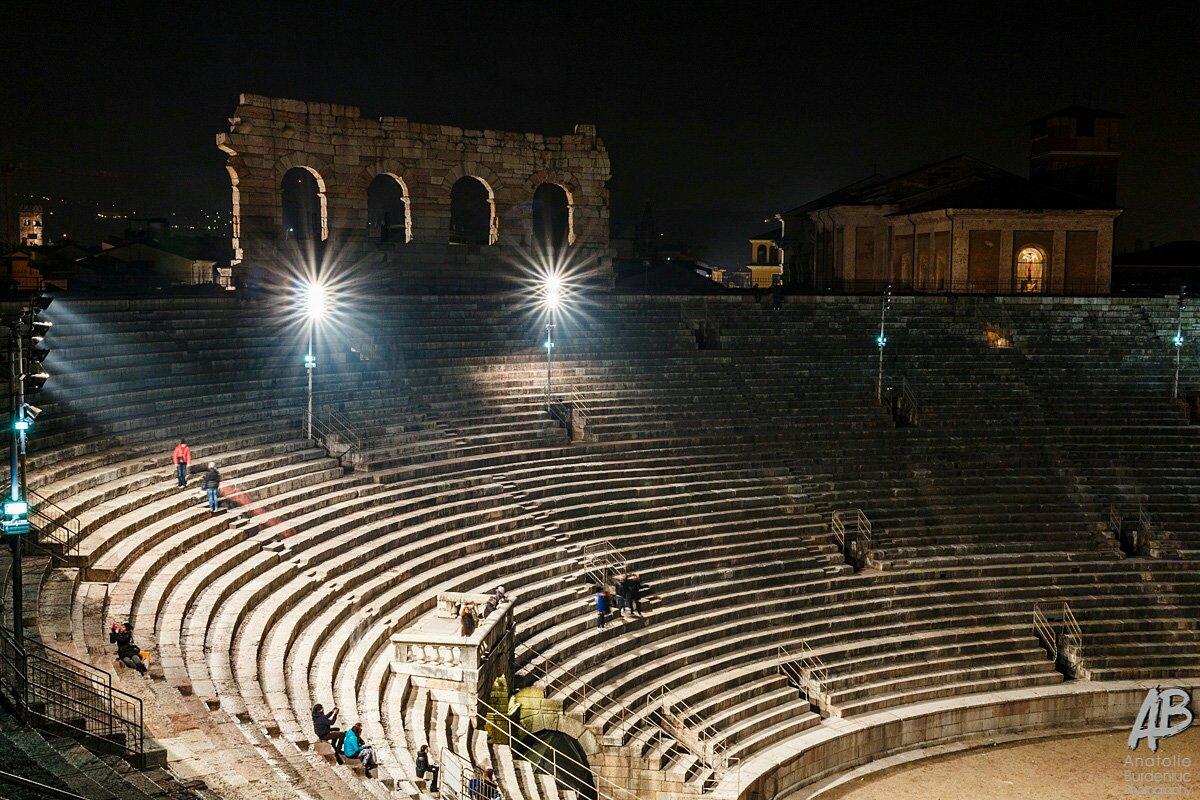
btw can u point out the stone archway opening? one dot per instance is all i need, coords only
(303, 204)
(472, 212)
(562, 757)
(388, 216)
(1031, 270)
(552, 218)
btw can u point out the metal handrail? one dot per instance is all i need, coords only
(859, 525)
(62, 521)
(558, 775)
(654, 715)
(708, 746)
(1045, 631)
(465, 767)
(81, 699)
(599, 557)
(579, 405)
(329, 423)
(42, 789)
(1072, 630)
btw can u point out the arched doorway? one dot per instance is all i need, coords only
(562, 757)
(472, 212)
(388, 218)
(1031, 269)
(551, 217)
(303, 200)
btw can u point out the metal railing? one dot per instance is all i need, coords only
(336, 433)
(1063, 637)
(903, 401)
(599, 559)
(852, 530)
(692, 731)
(50, 686)
(1117, 513)
(41, 789)
(806, 671)
(601, 787)
(456, 773)
(53, 526)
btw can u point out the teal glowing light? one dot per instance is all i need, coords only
(1178, 340)
(16, 508)
(881, 340)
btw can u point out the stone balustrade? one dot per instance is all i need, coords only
(434, 647)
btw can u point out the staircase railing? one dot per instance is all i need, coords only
(623, 715)
(1045, 631)
(601, 558)
(1118, 511)
(50, 686)
(58, 531)
(526, 744)
(456, 774)
(852, 530)
(1062, 637)
(807, 671)
(41, 789)
(692, 730)
(336, 433)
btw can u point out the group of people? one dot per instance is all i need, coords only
(625, 594)
(469, 613)
(128, 653)
(210, 481)
(346, 744)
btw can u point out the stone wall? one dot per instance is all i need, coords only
(346, 151)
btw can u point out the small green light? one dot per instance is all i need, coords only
(16, 508)
(21, 425)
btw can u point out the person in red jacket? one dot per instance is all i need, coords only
(181, 458)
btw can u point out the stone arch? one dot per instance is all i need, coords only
(570, 186)
(389, 212)
(473, 217)
(552, 217)
(1032, 263)
(306, 210)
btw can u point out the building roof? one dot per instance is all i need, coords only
(1078, 111)
(960, 181)
(1171, 254)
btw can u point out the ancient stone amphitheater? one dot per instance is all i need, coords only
(714, 442)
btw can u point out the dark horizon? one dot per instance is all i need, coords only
(717, 116)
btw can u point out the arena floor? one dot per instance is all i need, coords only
(1078, 768)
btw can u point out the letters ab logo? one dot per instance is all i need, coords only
(1154, 719)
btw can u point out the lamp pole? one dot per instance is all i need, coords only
(310, 363)
(1178, 340)
(881, 342)
(549, 359)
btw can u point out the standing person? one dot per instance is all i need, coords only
(602, 607)
(468, 618)
(777, 292)
(128, 653)
(354, 746)
(324, 728)
(182, 459)
(484, 788)
(619, 594)
(633, 594)
(211, 483)
(425, 766)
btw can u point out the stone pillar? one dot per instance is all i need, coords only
(1005, 271)
(1057, 267)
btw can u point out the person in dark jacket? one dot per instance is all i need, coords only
(619, 595)
(484, 787)
(427, 767)
(633, 594)
(211, 483)
(128, 653)
(468, 618)
(602, 606)
(325, 730)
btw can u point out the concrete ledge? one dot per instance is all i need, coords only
(820, 758)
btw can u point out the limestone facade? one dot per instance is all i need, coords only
(344, 151)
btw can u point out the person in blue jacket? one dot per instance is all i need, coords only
(353, 746)
(602, 606)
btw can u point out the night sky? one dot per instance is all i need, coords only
(717, 114)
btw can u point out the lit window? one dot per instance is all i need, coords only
(1031, 269)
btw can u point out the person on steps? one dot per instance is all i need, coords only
(493, 602)
(325, 730)
(354, 746)
(633, 594)
(602, 606)
(468, 618)
(182, 459)
(212, 482)
(484, 787)
(619, 595)
(426, 767)
(128, 653)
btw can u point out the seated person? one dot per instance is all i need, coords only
(326, 732)
(354, 746)
(484, 787)
(128, 653)
(427, 767)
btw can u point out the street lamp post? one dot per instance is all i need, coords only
(881, 342)
(314, 310)
(549, 359)
(310, 363)
(1178, 340)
